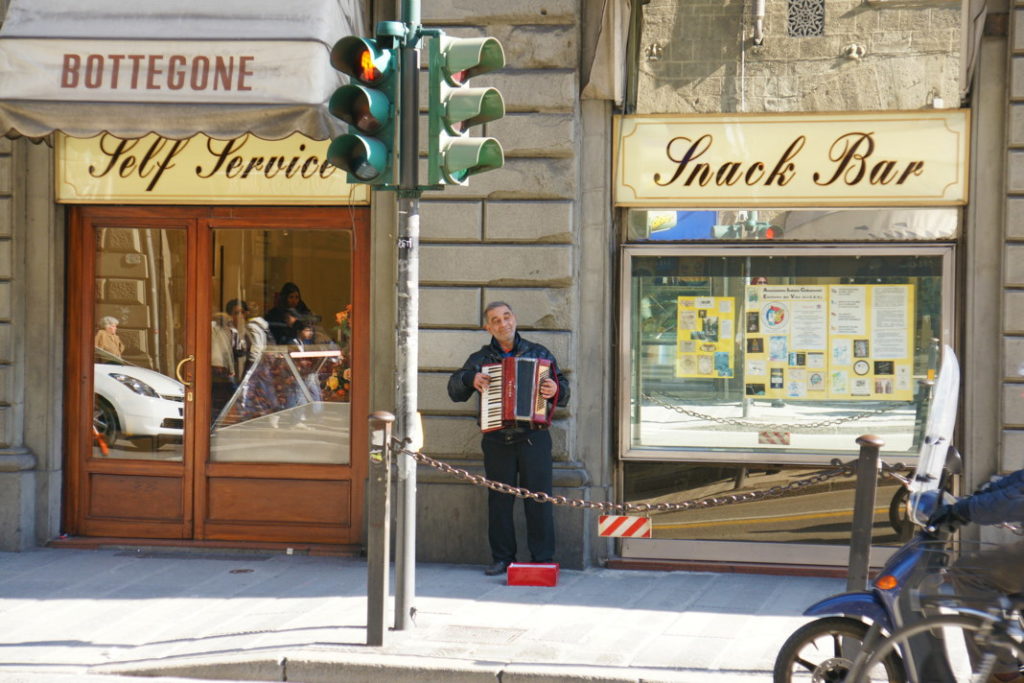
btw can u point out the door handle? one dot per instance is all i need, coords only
(177, 370)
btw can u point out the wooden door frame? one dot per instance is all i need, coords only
(198, 222)
(357, 222)
(79, 360)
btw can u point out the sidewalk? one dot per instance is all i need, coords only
(68, 615)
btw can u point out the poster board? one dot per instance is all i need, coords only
(705, 327)
(817, 342)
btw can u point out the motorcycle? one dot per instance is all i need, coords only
(849, 623)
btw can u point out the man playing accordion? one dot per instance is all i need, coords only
(519, 452)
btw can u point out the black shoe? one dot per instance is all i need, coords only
(499, 567)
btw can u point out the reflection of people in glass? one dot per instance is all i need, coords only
(222, 362)
(289, 298)
(303, 332)
(106, 337)
(257, 336)
(238, 311)
(228, 346)
(258, 396)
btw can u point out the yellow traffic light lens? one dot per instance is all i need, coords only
(367, 71)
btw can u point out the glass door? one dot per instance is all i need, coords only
(278, 462)
(239, 428)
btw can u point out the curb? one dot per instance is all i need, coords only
(370, 668)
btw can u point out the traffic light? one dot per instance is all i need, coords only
(749, 229)
(454, 107)
(368, 105)
(768, 232)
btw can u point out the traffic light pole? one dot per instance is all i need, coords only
(373, 107)
(407, 326)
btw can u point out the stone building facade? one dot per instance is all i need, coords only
(543, 235)
(536, 235)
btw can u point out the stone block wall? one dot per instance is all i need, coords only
(698, 56)
(510, 235)
(1012, 368)
(6, 303)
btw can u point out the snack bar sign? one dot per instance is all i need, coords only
(917, 158)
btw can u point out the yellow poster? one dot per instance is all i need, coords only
(705, 326)
(829, 341)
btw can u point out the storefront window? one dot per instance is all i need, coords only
(812, 514)
(280, 347)
(781, 355)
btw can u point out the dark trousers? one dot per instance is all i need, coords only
(525, 463)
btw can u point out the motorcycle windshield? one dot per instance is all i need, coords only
(938, 432)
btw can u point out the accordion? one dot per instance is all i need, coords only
(514, 393)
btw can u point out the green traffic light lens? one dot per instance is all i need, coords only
(365, 109)
(363, 157)
(464, 58)
(464, 157)
(465, 107)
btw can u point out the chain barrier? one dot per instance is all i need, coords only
(838, 469)
(766, 426)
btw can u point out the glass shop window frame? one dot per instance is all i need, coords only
(946, 251)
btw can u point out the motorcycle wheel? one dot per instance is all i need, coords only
(823, 652)
(992, 641)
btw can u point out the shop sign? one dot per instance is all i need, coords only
(916, 158)
(176, 71)
(200, 170)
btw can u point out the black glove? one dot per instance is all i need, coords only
(950, 517)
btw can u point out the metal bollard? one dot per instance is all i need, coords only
(863, 512)
(378, 526)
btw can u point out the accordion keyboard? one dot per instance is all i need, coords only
(490, 399)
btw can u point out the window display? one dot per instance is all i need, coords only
(790, 352)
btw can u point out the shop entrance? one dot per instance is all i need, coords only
(217, 365)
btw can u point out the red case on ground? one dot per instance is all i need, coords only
(525, 574)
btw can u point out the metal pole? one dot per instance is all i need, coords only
(407, 327)
(378, 526)
(863, 512)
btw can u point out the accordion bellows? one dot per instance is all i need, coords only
(514, 394)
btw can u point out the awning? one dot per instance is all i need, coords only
(172, 67)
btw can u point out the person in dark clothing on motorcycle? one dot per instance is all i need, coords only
(998, 502)
(989, 572)
(518, 455)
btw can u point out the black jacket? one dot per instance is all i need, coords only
(1001, 501)
(460, 384)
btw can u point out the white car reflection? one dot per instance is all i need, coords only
(135, 403)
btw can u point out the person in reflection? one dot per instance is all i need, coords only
(238, 311)
(519, 455)
(303, 332)
(257, 336)
(106, 337)
(258, 394)
(288, 303)
(304, 337)
(228, 350)
(222, 362)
